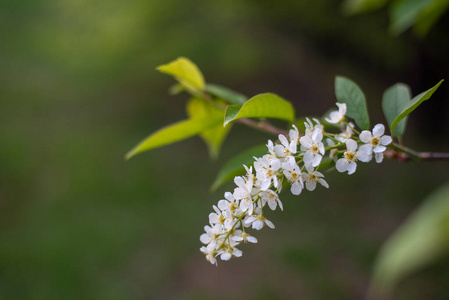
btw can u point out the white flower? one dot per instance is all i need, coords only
(267, 172)
(209, 255)
(229, 204)
(286, 148)
(242, 193)
(375, 142)
(347, 134)
(310, 128)
(311, 177)
(228, 252)
(258, 221)
(211, 236)
(271, 154)
(348, 162)
(294, 134)
(216, 217)
(293, 174)
(336, 117)
(313, 147)
(240, 236)
(271, 198)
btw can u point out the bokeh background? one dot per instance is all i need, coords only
(78, 89)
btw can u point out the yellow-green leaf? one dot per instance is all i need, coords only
(226, 94)
(261, 106)
(175, 132)
(213, 137)
(420, 241)
(352, 7)
(186, 72)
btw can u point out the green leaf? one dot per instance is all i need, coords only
(413, 104)
(213, 137)
(404, 13)
(234, 166)
(176, 89)
(226, 94)
(186, 72)
(428, 17)
(175, 132)
(349, 92)
(420, 240)
(261, 106)
(394, 99)
(352, 7)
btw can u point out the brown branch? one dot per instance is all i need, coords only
(416, 156)
(396, 151)
(263, 126)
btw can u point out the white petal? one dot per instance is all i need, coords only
(321, 148)
(283, 140)
(379, 157)
(306, 141)
(378, 130)
(293, 147)
(296, 188)
(251, 239)
(239, 181)
(323, 182)
(363, 156)
(351, 145)
(341, 165)
(311, 185)
(351, 168)
(237, 252)
(213, 218)
(275, 164)
(265, 184)
(365, 136)
(385, 140)
(225, 256)
(317, 136)
(229, 196)
(250, 220)
(280, 204)
(204, 238)
(272, 205)
(367, 148)
(341, 108)
(269, 224)
(379, 149)
(223, 204)
(258, 225)
(316, 160)
(279, 150)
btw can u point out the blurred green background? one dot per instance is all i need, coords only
(79, 89)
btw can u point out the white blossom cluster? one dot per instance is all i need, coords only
(244, 207)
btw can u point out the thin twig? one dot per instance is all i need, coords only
(404, 154)
(263, 126)
(396, 151)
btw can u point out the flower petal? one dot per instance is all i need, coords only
(385, 140)
(351, 168)
(379, 149)
(341, 165)
(296, 188)
(378, 130)
(351, 145)
(365, 136)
